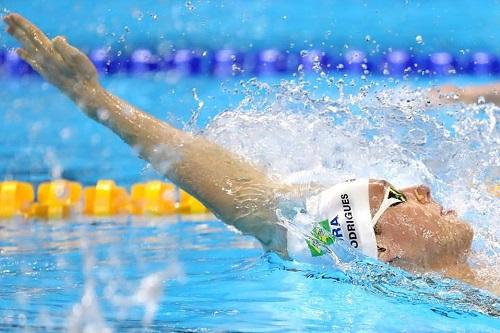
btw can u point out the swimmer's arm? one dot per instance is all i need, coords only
(238, 192)
(235, 190)
(469, 95)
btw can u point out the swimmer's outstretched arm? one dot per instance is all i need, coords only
(235, 190)
(472, 94)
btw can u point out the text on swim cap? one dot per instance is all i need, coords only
(351, 226)
(336, 228)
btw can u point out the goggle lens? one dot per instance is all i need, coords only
(395, 194)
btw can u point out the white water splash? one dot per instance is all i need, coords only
(148, 293)
(392, 134)
(87, 315)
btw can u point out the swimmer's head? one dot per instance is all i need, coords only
(418, 232)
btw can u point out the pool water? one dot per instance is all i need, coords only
(331, 25)
(193, 273)
(179, 275)
(188, 273)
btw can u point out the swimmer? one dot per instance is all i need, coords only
(487, 93)
(405, 228)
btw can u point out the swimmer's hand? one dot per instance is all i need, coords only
(487, 93)
(61, 64)
(447, 94)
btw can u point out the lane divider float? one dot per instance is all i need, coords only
(15, 198)
(274, 61)
(59, 199)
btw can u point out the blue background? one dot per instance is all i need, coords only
(444, 25)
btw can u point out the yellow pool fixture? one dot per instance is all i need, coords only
(59, 199)
(15, 198)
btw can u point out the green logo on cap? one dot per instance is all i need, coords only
(321, 235)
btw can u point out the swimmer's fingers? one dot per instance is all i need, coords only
(26, 56)
(73, 57)
(17, 33)
(32, 38)
(37, 49)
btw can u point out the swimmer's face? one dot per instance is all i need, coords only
(419, 232)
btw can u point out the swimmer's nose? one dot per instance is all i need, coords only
(423, 194)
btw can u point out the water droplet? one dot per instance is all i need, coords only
(128, 110)
(138, 15)
(284, 17)
(101, 29)
(481, 100)
(103, 114)
(368, 38)
(189, 5)
(56, 171)
(65, 133)
(62, 192)
(235, 68)
(419, 39)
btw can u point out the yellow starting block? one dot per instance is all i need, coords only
(15, 198)
(105, 199)
(155, 197)
(56, 199)
(189, 205)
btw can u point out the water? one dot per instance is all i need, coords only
(73, 275)
(329, 24)
(380, 132)
(177, 274)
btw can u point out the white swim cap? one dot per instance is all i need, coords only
(346, 206)
(340, 212)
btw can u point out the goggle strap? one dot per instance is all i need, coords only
(386, 203)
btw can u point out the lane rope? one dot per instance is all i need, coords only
(229, 62)
(61, 199)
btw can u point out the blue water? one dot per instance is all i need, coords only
(65, 275)
(331, 25)
(224, 284)
(45, 131)
(178, 274)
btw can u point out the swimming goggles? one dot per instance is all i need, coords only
(392, 197)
